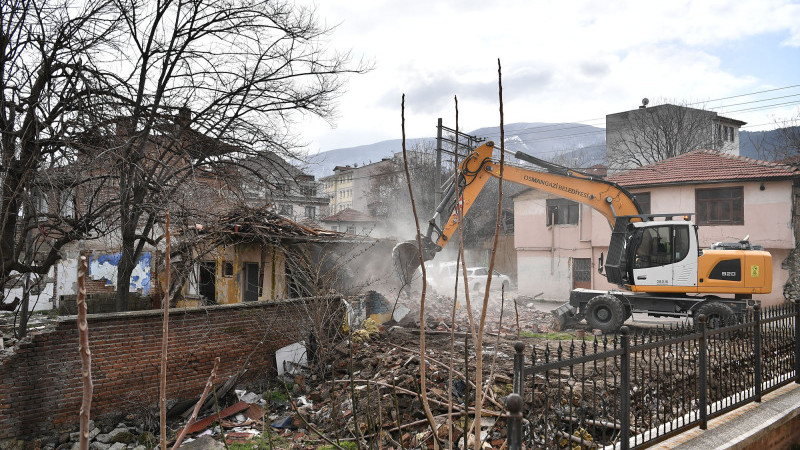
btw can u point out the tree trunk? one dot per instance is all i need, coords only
(124, 271)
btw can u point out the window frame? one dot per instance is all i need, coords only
(735, 201)
(639, 196)
(572, 212)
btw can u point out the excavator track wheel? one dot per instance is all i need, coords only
(606, 313)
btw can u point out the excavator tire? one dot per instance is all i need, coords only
(717, 314)
(606, 313)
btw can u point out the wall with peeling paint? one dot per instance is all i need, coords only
(66, 282)
(103, 266)
(229, 289)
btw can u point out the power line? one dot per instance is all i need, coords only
(584, 123)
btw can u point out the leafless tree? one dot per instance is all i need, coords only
(388, 190)
(54, 88)
(781, 143)
(648, 135)
(207, 85)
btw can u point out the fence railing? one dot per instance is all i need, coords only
(634, 390)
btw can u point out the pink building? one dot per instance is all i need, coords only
(558, 242)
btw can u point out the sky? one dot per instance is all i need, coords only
(562, 61)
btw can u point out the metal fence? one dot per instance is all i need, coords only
(634, 390)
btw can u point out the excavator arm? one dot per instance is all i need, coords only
(610, 199)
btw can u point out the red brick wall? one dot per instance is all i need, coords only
(40, 390)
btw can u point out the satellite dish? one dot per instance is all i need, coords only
(645, 101)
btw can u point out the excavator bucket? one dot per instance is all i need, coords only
(405, 256)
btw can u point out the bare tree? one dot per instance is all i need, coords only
(388, 190)
(54, 89)
(781, 143)
(648, 135)
(209, 84)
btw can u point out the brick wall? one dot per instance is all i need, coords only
(41, 387)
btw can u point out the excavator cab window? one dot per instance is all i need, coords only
(660, 245)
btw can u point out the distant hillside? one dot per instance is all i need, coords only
(750, 142)
(570, 143)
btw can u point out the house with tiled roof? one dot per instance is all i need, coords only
(350, 221)
(559, 242)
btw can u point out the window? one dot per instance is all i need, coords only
(721, 206)
(351, 229)
(286, 210)
(68, 204)
(653, 247)
(561, 212)
(311, 212)
(227, 269)
(41, 204)
(643, 198)
(660, 245)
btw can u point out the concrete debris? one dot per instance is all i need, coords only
(291, 358)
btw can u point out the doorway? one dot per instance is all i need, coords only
(250, 291)
(207, 286)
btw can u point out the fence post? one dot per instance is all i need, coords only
(757, 350)
(797, 341)
(625, 389)
(514, 407)
(703, 372)
(519, 367)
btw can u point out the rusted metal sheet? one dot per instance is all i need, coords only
(204, 423)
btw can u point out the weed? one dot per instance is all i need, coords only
(550, 336)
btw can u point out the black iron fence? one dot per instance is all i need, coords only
(634, 390)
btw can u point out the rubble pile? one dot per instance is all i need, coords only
(366, 387)
(514, 311)
(363, 388)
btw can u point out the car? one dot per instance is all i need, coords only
(478, 276)
(441, 278)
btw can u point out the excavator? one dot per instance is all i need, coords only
(655, 259)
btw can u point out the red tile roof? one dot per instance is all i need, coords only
(704, 166)
(790, 161)
(349, 215)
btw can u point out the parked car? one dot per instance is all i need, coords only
(441, 278)
(478, 276)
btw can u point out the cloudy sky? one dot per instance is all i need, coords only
(563, 61)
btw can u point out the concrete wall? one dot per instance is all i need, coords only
(544, 253)
(41, 389)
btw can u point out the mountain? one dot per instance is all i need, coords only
(570, 144)
(758, 144)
